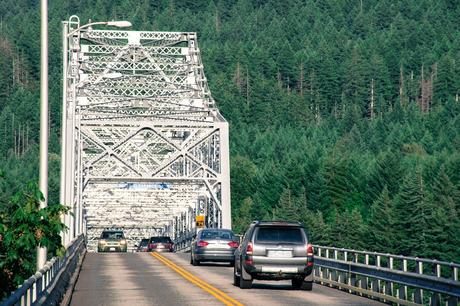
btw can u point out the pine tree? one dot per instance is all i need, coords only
(286, 209)
(415, 217)
(243, 218)
(447, 239)
(380, 227)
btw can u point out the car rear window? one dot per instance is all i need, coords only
(279, 235)
(160, 240)
(112, 235)
(144, 242)
(225, 235)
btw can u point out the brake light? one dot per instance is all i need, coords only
(249, 249)
(202, 243)
(309, 250)
(233, 244)
(248, 257)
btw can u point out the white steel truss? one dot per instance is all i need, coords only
(144, 147)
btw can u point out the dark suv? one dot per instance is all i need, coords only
(160, 244)
(274, 250)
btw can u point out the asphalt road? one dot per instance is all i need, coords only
(142, 279)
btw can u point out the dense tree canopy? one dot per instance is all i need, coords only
(343, 114)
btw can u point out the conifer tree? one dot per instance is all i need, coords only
(243, 217)
(447, 223)
(380, 235)
(415, 217)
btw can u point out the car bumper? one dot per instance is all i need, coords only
(161, 250)
(112, 248)
(214, 255)
(272, 272)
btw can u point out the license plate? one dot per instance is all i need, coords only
(161, 246)
(279, 253)
(279, 270)
(112, 249)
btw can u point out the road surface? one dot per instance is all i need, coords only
(145, 279)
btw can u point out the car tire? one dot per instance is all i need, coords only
(296, 283)
(307, 286)
(232, 263)
(244, 283)
(191, 259)
(236, 278)
(195, 262)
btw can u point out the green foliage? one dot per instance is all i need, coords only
(23, 227)
(323, 100)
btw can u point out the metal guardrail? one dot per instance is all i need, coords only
(390, 278)
(182, 245)
(46, 284)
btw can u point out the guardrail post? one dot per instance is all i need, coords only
(320, 269)
(334, 273)
(376, 282)
(34, 292)
(328, 272)
(28, 297)
(366, 279)
(38, 286)
(353, 281)
(389, 285)
(418, 293)
(436, 298)
(402, 291)
(452, 300)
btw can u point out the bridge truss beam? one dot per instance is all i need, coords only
(144, 147)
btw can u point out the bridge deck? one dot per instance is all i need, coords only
(141, 279)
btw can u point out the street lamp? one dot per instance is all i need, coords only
(68, 157)
(118, 24)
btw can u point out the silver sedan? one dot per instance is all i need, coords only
(212, 244)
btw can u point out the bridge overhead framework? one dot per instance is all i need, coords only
(144, 147)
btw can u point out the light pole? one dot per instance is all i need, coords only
(43, 176)
(68, 130)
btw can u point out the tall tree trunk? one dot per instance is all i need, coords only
(401, 86)
(247, 87)
(301, 80)
(372, 99)
(217, 20)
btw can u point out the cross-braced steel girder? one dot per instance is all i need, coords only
(144, 147)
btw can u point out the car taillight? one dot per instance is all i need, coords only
(249, 249)
(248, 258)
(152, 245)
(309, 250)
(202, 243)
(309, 255)
(233, 244)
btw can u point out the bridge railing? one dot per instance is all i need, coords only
(387, 277)
(47, 285)
(183, 243)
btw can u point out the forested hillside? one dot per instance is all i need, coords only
(343, 114)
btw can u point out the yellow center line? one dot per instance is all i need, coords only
(218, 294)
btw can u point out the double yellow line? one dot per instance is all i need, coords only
(218, 294)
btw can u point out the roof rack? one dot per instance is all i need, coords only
(278, 222)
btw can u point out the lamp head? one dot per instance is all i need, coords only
(119, 24)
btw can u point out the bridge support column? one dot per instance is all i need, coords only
(225, 174)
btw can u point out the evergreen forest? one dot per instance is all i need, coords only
(344, 114)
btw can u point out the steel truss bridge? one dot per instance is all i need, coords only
(144, 147)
